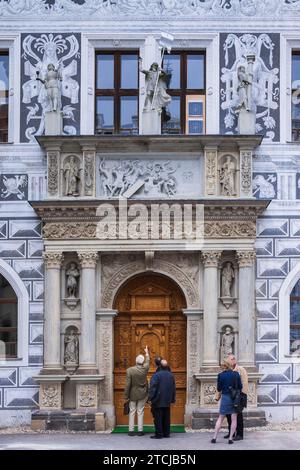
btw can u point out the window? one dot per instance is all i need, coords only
(186, 112)
(296, 96)
(117, 91)
(295, 320)
(4, 64)
(8, 319)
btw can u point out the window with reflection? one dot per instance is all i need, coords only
(117, 90)
(8, 319)
(4, 86)
(296, 96)
(186, 112)
(295, 320)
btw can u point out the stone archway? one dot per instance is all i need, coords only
(150, 313)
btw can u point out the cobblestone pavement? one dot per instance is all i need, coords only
(255, 440)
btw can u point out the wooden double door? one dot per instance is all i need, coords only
(150, 314)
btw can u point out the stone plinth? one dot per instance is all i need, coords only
(151, 122)
(246, 122)
(53, 123)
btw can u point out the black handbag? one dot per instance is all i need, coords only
(126, 408)
(235, 394)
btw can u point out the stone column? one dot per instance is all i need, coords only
(194, 335)
(210, 308)
(87, 350)
(52, 310)
(105, 328)
(246, 308)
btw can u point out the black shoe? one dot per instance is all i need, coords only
(166, 435)
(131, 433)
(238, 438)
(140, 433)
(226, 436)
(213, 441)
(230, 441)
(156, 437)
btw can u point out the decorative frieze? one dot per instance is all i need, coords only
(245, 258)
(53, 260)
(66, 230)
(232, 229)
(211, 258)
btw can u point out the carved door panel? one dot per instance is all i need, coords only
(149, 316)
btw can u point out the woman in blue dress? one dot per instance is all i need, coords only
(227, 380)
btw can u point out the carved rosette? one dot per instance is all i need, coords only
(88, 259)
(53, 173)
(50, 396)
(246, 172)
(208, 394)
(89, 173)
(53, 260)
(86, 396)
(245, 258)
(211, 258)
(211, 173)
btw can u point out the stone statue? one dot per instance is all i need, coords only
(156, 86)
(72, 177)
(227, 279)
(52, 80)
(72, 280)
(244, 88)
(71, 348)
(227, 177)
(227, 343)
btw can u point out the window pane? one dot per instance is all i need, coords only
(6, 291)
(295, 341)
(195, 108)
(129, 113)
(171, 124)
(4, 84)
(295, 67)
(195, 71)
(105, 71)
(295, 312)
(195, 127)
(105, 112)
(172, 67)
(129, 71)
(296, 290)
(8, 329)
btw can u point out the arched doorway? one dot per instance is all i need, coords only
(150, 313)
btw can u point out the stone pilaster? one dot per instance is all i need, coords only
(53, 172)
(87, 350)
(210, 313)
(246, 173)
(52, 310)
(105, 328)
(211, 171)
(246, 308)
(194, 325)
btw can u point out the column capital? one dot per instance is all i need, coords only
(245, 258)
(211, 258)
(53, 259)
(88, 259)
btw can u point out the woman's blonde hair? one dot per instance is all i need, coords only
(226, 365)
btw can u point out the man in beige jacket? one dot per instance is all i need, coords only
(136, 391)
(244, 378)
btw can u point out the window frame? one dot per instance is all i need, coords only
(9, 329)
(295, 52)
(5, 52)
(117, 92)
(183, 91)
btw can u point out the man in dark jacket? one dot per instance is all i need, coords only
(161, 394)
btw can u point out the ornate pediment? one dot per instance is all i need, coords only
(105, 9)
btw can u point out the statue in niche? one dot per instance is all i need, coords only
(227, 280)
(72, 177)
(72, 280)
(227, 177)
(51, 82)
(157, 80)
(71, 348)
(227, 342)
